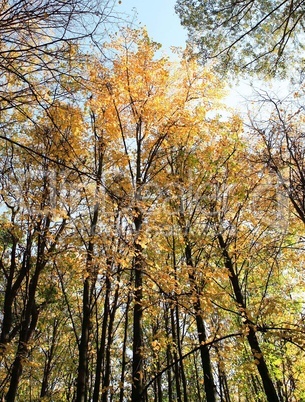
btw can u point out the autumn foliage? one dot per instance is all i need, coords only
(149, 252)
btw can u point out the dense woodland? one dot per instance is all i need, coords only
(151, 241)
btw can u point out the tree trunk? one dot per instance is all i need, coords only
(209, 385)
(82, 376)
(179, 346)
(89, 283)
(222, 380)
(257, 353)
(176, 358)
(11, 289)
(123, 366)
(44, 390)
(106, 381)
(30, 312)
(137, 350)
(90, 280)
(168, 354)
(198, 386)
(102, 346)
(28, 326)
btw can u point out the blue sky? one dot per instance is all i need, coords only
(159, 17)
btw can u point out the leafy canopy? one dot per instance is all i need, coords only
(265, 37)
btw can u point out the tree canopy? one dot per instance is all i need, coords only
(151, 247)
(264, 37)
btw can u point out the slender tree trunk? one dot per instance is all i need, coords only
(44, 390)
(256, 384)
(137, 351)
(12, 287)
(179, 347)
(222, 380)
(102, 345)
(175, 321)
(198, 386)
(27, 328)
(257, 353)
(82, 377)
(176, 358)
(8, 302)
(168, 354)
(209, 385)
(31, 311)
(159, 384)
(106, 381)
(158, 394)
(123, 366)
(89, 283)
(90, 280)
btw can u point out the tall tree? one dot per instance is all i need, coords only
(146, 106)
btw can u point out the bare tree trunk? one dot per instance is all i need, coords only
(12, 287)
(89, 283)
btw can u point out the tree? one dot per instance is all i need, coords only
(145, 106)
(263, 37)
(281, 136)
(36, 220)
(226, 214)
(142, 247)
(39, 41)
